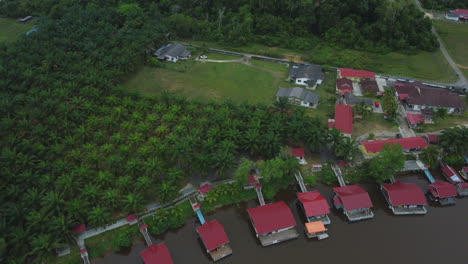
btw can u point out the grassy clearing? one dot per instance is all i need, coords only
(10, 29)
(373, 124)
(98, 245)
(219, 56)
(326, 107)
(430, 66)
(450, 121)
(455, 37)
(210, 80)
(72, 258)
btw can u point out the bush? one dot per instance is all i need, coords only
(226, 194)
(410, 157)
(454, 160)
(371, 136)
(327, 175)
(166, 219)
(121, 240)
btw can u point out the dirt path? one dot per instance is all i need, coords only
(462, 66)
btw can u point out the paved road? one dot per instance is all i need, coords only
(462, 81)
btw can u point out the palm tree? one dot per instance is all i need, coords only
(42, 245)
(430, 155)
(133, 202)
(167, 191)
(98, 216)
(111, 198)
(347, 148)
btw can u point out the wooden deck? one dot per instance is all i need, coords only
(222, 252)
(405, 210)
(357, 215)
(272, 239)
(447, 201)
(324, 218)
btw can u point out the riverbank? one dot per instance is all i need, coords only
(431, 239)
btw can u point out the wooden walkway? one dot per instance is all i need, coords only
(261, 200)
(339, 175)
(300, 181)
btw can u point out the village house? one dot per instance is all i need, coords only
(298, 153)
(157, 254)
(354, 201)
(454, 178)
(344, 86)
(464, 173)
(404, 198)
(457, 15)
(355, 75)
(409, 144)
(299, 96)
(416, 96)
(307, 75)
(214, 238)
(369, 87)
(351, 99)
(273, 223)
(414, 120)
(343, 120)
(315, 206)
(443, 192)
(173, 52)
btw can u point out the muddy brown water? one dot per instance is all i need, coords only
(441, 236)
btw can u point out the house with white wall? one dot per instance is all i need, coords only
(299, 96)
(173, 52)
(307, 75)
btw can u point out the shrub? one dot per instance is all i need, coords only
(121, 240)
(327, 175)
(166, 219)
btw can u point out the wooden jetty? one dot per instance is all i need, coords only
(157, 254)
(404, 198)
(273, 223)
(443, 192)
(215, 239)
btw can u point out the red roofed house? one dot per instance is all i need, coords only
(203, 190)
(452, 176)
(416, 96)
(404, 198)
(443, 192)
(273, 223)
(344, 86)
(457, 15)
(315, 206)
(432, 138)
(414, 120)
(298, 153)
(354, 201)
(132, 219)
(355, 75)
(215, 239)
(409, 144)
(157, 254)
(343, 119)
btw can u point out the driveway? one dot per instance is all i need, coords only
(404, 128)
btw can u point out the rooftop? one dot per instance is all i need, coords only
(353, 197)
(451, 175)
(312, 72)
(299, 93)
(344, 84)
(79, 229)
(443, 189)
(173, 50)
(205, 188)
(417, 93)
(344, 119)
(297, 152)
(369, 85)
(157, 254)
(213, 235)
(351, 73)
(415, 119)
(351, 99)
(407, 143)
(314, 203)
(315, 227)
(400, 193)
(271, 217)
(463, 12)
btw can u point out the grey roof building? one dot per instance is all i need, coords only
(307, 74)
(299, 95)
(353, 100)
(173, 52)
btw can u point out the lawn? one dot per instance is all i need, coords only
(455, 37)
(450, 121)
(430, 66)
(210, 80)
(10, 29)
(219, 56)
(326, 107)
(373, 124)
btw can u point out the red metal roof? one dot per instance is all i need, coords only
(433, 138)
(342, 163)
(314, 203)
(465, 169)
(442, 189)
(344, 118)
(82, 251)
(400, 193)
(213, 235)
(407, 143)
(143, 227)
(298, 152)
(252, 179)
(157, 254)
(353, 197)
(344, 84)
(451, 175)
(271, 217)
(205, 188)
(463, 12)
(344, 72)
(131, 218)
(79, 229)
(415, 119)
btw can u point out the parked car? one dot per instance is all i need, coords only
(203, 57)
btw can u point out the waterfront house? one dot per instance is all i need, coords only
(464, 173)
(316, 229)
(215, 239)
(344, 86)
(452, 176)
(343, 119)
(404, 198)
(307, 75)
(315, 206)
(173, 52)
(273, 223)
(416, 96)
(414, 120)
(157, 254)
(203, 190)
(443, 192)
(299, 96)
(298, 153)
(409, 144)
(354, 201)
(355, 75)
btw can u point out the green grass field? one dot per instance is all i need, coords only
(430, 66)
(210, 80)
(10, 29)
(455, 37)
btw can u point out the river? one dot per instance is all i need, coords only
(441, 236)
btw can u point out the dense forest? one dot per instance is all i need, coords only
(444, 4)
(374, 25)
